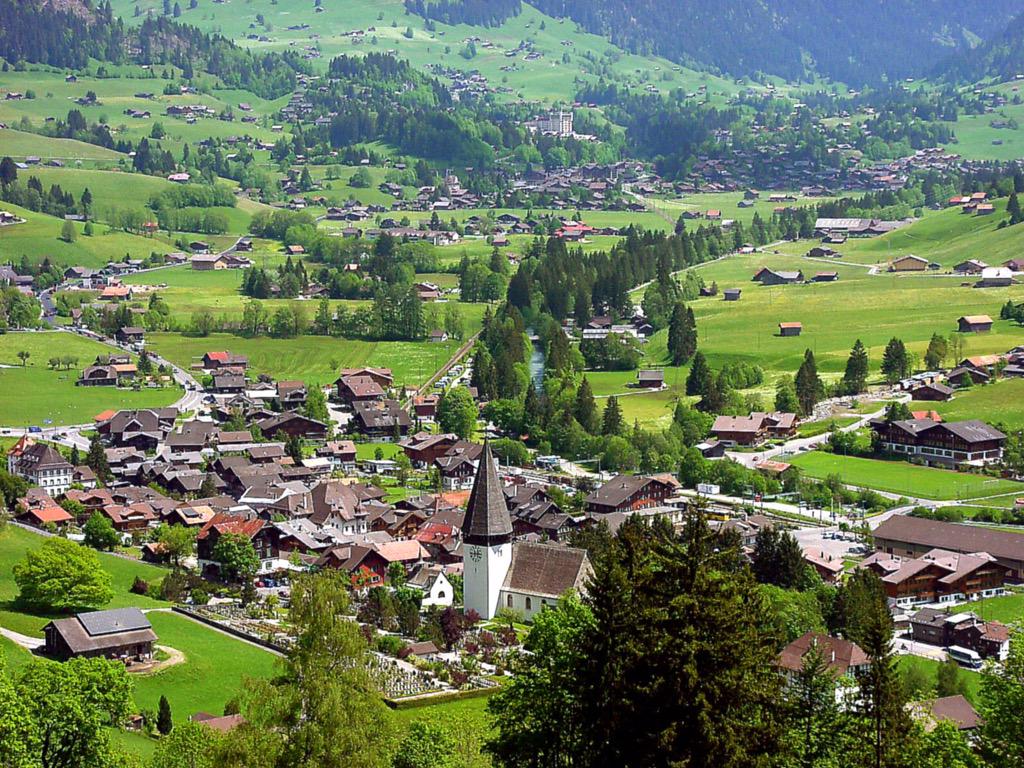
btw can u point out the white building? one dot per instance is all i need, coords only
(498, 573)
(41, 465)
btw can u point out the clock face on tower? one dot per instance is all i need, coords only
(475, 554)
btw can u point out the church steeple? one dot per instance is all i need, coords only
(487, 521)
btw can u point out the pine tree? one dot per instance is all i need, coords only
(164, 721)
(682, 334)
(611, 423)
(885, 721)
(856, 375)
(699, 376)
(785, 396)
(676, 329)
(937, 351)
(895, 361)
(585, 409)
(96, 460)
(809, 388)
(1013, 209)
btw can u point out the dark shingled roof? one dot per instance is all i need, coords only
(951, 536)
(487, 520)
(547, 570)
(102, 630)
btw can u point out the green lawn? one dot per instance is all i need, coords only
(312, 358)
(39, 238)
(15, 542)
(946, 237)
(214, 667)
(812, 428)
(901, 477)
(19, 144)
(1000, 402)
(35, 393)
(1008, 609)
(873, 308)
(930, 667)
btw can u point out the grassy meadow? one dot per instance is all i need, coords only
(35, 393)
(1001, 402)
(15, 542)
(315, 359)
(39, 237)
(901, 477)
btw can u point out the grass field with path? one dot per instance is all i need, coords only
(215, 665)
(35, 393)
(902, 477)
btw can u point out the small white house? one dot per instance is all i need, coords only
(434, 585)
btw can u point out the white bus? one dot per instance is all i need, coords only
(964, 657)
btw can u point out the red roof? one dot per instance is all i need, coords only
(50, 515)
(219, 356)
(225, 523)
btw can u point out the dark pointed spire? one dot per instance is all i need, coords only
(487, 520)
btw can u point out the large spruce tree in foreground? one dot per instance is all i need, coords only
(669, 663)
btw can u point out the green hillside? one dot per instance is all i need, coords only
(39, 238)
(550, 77)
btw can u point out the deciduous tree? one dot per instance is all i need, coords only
(61, 574)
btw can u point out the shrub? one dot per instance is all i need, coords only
(140, 586)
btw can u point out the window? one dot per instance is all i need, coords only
(509, 601)
(529, 604)
(440, 594)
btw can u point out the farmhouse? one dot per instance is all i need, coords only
(948, 444)
(970, 267)
(766, 276)
(933, 392)
(650, 379)
(121, 633)
(990, 639)
(961, 375)
(844, 658)
(380, 418)
(938, 576)
(908, 263)
(790, 329)
(213, 361)
(913, 537)
(974, 324)
(995, 277)
(753, 429)
(208, 261)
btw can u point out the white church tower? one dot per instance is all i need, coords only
(486, 540)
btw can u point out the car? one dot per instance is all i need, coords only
(35, 430)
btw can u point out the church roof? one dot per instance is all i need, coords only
(547, 570)
(487, 519)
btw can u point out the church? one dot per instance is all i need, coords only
(502, 573)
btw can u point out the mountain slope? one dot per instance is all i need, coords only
(855, 41)
(1001, 56)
